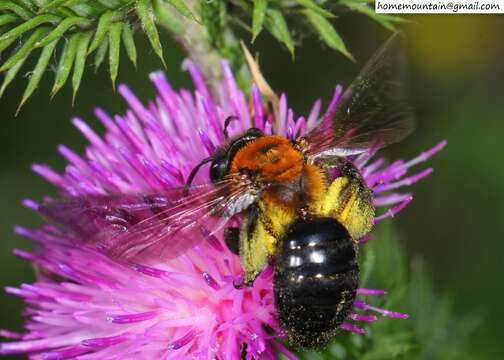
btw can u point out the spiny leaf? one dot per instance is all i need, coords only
(80, 62)
(115, 47)
(52, 4)
(129, 42)
(276, 24)
(4, 44)
(25, 50)
(7, 19)
(66, 12)
(101, 30)
(38, 72)
(182, 8)
(11, 74)
(100, 53)
(28, 25)
(327, 32)
(27, 4)
(258, 16)
(312, 5)
(16, 9)
(144, 11)
(65, 63)
(96, 17)
(61, 29)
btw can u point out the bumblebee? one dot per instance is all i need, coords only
(304, 223)
(296, 213)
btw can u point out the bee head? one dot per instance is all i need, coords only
(222, 159)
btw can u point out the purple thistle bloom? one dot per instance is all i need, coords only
(85, 305)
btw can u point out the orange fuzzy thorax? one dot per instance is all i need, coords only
(275, 161)
(273, 158)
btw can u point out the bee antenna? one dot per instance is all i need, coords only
(193, 173)
(226, 125)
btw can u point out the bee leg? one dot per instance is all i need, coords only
(232, 239)
(254, 254)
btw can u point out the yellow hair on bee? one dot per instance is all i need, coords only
(350, 204)
(254, 250)
(275, 216)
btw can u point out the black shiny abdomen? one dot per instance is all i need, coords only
(316, 279)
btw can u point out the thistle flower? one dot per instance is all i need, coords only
(85, 305)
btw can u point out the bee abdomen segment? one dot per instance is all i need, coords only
(316, 279)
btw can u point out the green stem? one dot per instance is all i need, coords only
(207, 40)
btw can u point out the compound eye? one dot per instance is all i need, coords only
(218, 169)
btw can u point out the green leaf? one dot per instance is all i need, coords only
(145, 13)
(11, 74)
(327, 32)
(80, 62)
(312, 5)
(258, 16)
(25, 50)
(276, 24)
(115, 47)
(100, 53)
(4, 44)
(28, 25)
(65, 63)
(16, 9)
(102, 29)
(51, 5)
(183, 9)
(62, 28)
(7, 19)
(129, 42)
(28, 4)
(38, 72)
(383, 19)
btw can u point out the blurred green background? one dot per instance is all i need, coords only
(457, 218)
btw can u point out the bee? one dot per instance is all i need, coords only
(295, 213)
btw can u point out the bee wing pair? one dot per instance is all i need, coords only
(371, 111)
(133, 227)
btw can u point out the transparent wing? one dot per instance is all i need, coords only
(371, 112)
(145, 226)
